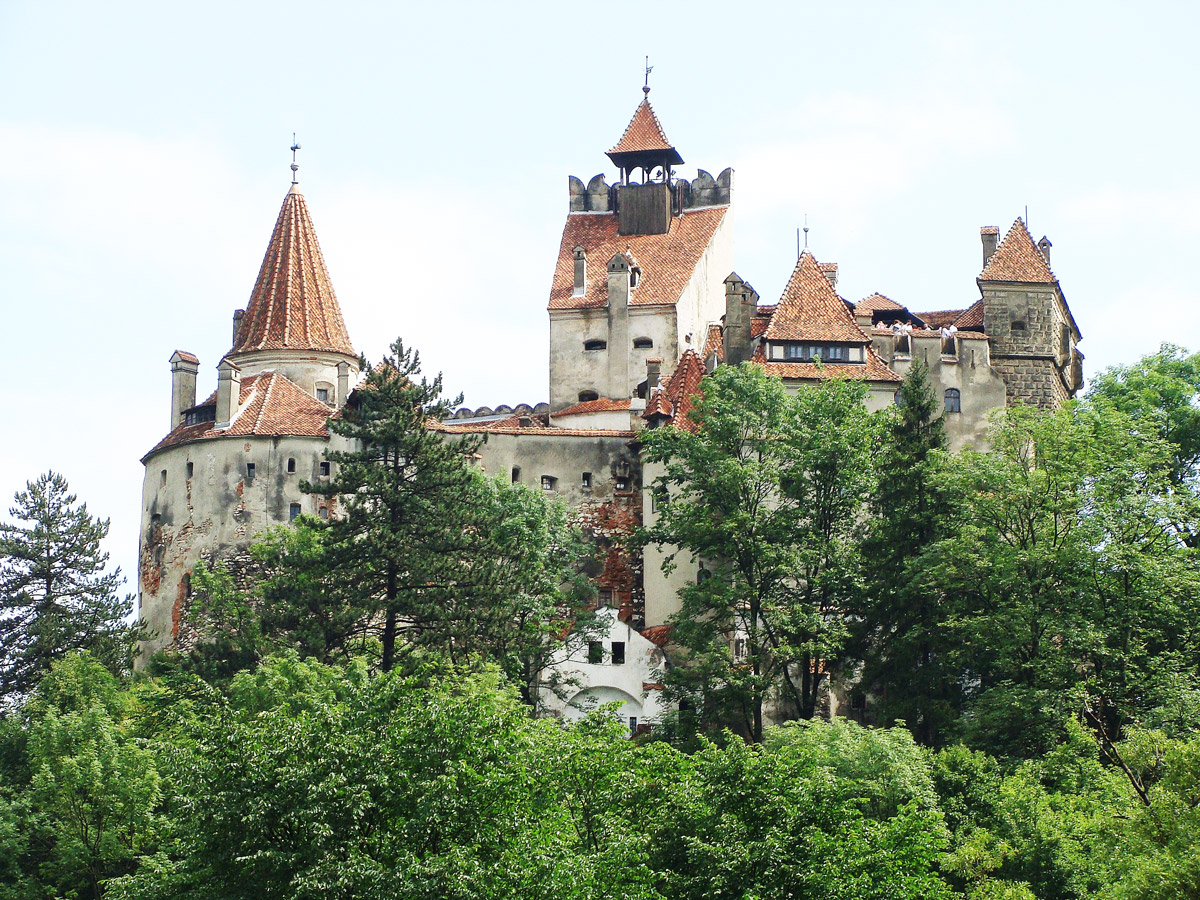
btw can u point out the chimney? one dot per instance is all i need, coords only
(620, 274)
(229, 391)
(580, 272)
(184, 367)
(238, 315)
(741, 300)
(343, 387)
(829, 270)
(653, 374)
(990, 235)
(1044, 246)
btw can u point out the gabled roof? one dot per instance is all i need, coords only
(675, 398)
(810, 309)
(971, 319)
(1018, 259)
(644, 136)
(875, 303)
(667, 260)
(269, 404)
(293, 306)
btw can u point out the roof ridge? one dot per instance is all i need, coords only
(653, 121)
(1017, 258)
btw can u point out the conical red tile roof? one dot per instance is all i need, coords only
(293, 306)
(644, 134)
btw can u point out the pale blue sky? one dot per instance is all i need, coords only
(143, 158)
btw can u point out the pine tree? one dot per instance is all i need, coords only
(900, 631)
(55, 596)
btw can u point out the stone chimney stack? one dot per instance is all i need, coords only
(580, 272)
(229, 392)
(343, 387)
(184, 367)
(829, 270)
(741, 300)
(653, 374)
(1044, 246)
(238, 315)
(990, 235)
(620, 274)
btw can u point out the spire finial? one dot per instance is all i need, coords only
(295, 165)
(806, 231)
(649, 69)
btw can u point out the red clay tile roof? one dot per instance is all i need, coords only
(971, 319)
(604, 404)
(875, 302)
(810, 309)
(713, 343)
(761, 321)
(989, 229)
(658, 635)
(269, 404)
(874, 369)
(293, 306)
(667, 260)
(679, 392)
(186, 357)
(1018, 259)
(940, 317)
(541, 430)
(644, 132)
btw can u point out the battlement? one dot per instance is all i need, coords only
(599, 196)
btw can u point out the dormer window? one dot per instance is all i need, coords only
(809, 352)
(643, 343)
(595, 345)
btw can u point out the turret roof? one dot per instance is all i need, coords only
(643, 135)
(1018, 259)
(293, 306)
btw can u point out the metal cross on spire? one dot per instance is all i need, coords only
(649, 69)
(295, 165)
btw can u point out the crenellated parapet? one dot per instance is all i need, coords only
(601, 197)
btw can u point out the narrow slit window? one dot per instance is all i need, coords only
(250, 471)
(291, 466)
(191, 468)
(516, 474)
(162, 478)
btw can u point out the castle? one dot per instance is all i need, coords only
(644, 302)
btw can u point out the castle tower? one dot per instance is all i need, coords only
(1025, 314)
(231, 465)
(640, 271)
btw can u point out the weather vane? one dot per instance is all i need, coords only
(649, 69)
(295, 165)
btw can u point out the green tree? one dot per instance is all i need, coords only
(401, 539)
(55, 596)
(900, 631)
(765, 494)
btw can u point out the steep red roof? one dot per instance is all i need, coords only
(1018, 259)
(810, 310)
(658, 635)
(667, 260)
(940, 317)
(971, 319)
(675, 398)
(644, 132)
(293, 306)
(269, 404)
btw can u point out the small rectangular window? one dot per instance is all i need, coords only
(606, 597)
(323, 394)
(516, 474)
(587, 479)
(622, 482)
(325, 469)
(191, 468)
(633, 726)
(291, 466)
(595, 652)
(293, 511)
(324, 513)
(618, 653)
(548, 482)
(250, 470)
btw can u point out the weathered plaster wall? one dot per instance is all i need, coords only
(217, 510)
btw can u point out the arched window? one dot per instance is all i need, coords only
(585, 396)
(642, 343)
(595, 345)
(953, 400)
